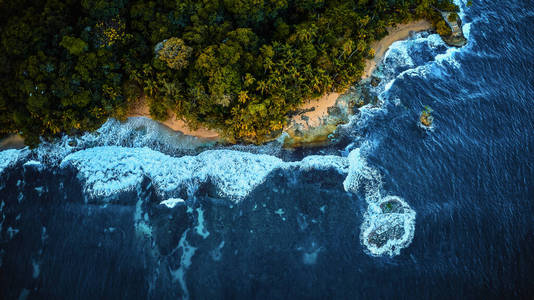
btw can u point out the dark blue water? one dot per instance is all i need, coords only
(298, 232)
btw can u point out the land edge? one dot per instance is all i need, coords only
(316, 127)
(314, 111)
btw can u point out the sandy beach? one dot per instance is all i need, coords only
(141, 109)
(318, 108)
(400, 32)
(13, 141)
(321, 105)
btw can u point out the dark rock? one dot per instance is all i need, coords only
(391, 206)
(456, 38)
(334, 111)
(379, 237)
(375, 81)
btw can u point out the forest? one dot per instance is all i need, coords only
(237, 66)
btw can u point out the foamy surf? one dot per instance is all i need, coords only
(234, 174)
(9, 158)
(389, 222)
(118, 156)
(388, 226)
(399, 60)
(108, 170)
(135, 132)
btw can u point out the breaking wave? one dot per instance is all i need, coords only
(106, 169)
(8, 158)
(135, 132)
(389, 222)
(118, 156)
(421, 55)
(112, 169)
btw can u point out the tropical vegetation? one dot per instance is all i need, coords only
(238, 66)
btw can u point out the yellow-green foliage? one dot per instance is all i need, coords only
(175, 53)
(442, 28)
(426, 116)
(75, 46)
(452, 17)
(240, 66)
(110, 32)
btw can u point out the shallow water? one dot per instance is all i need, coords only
(389, 210)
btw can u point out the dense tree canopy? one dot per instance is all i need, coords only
(240, 66)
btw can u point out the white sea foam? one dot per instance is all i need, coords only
(107, 169)
(398, 54)
(172, 202)
(185, 262)
(435, 66)
(112, 169)
(142, 225)
(466, 28)
(448, 57)
(366, 181)
(200, 229)
(362, 179)
(135, 132)
(33, 163)
(235, 173)
(397, 229)
(323, 162)
(107, 166)
(9, 158)
(461, 4)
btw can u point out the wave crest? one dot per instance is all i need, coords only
(389, 222)
(112, 169)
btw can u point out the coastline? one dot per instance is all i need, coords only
(13, 141)
(397, 33)
(140, 109)
(315, 112)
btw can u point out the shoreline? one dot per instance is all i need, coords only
(397, 33)
(316, 111)
(140, 109)
(319, 107)
(12, 141)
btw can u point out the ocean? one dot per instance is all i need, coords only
(389, 209)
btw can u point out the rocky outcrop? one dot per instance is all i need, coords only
(304, 132)
(456, 38)
(322, 131)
